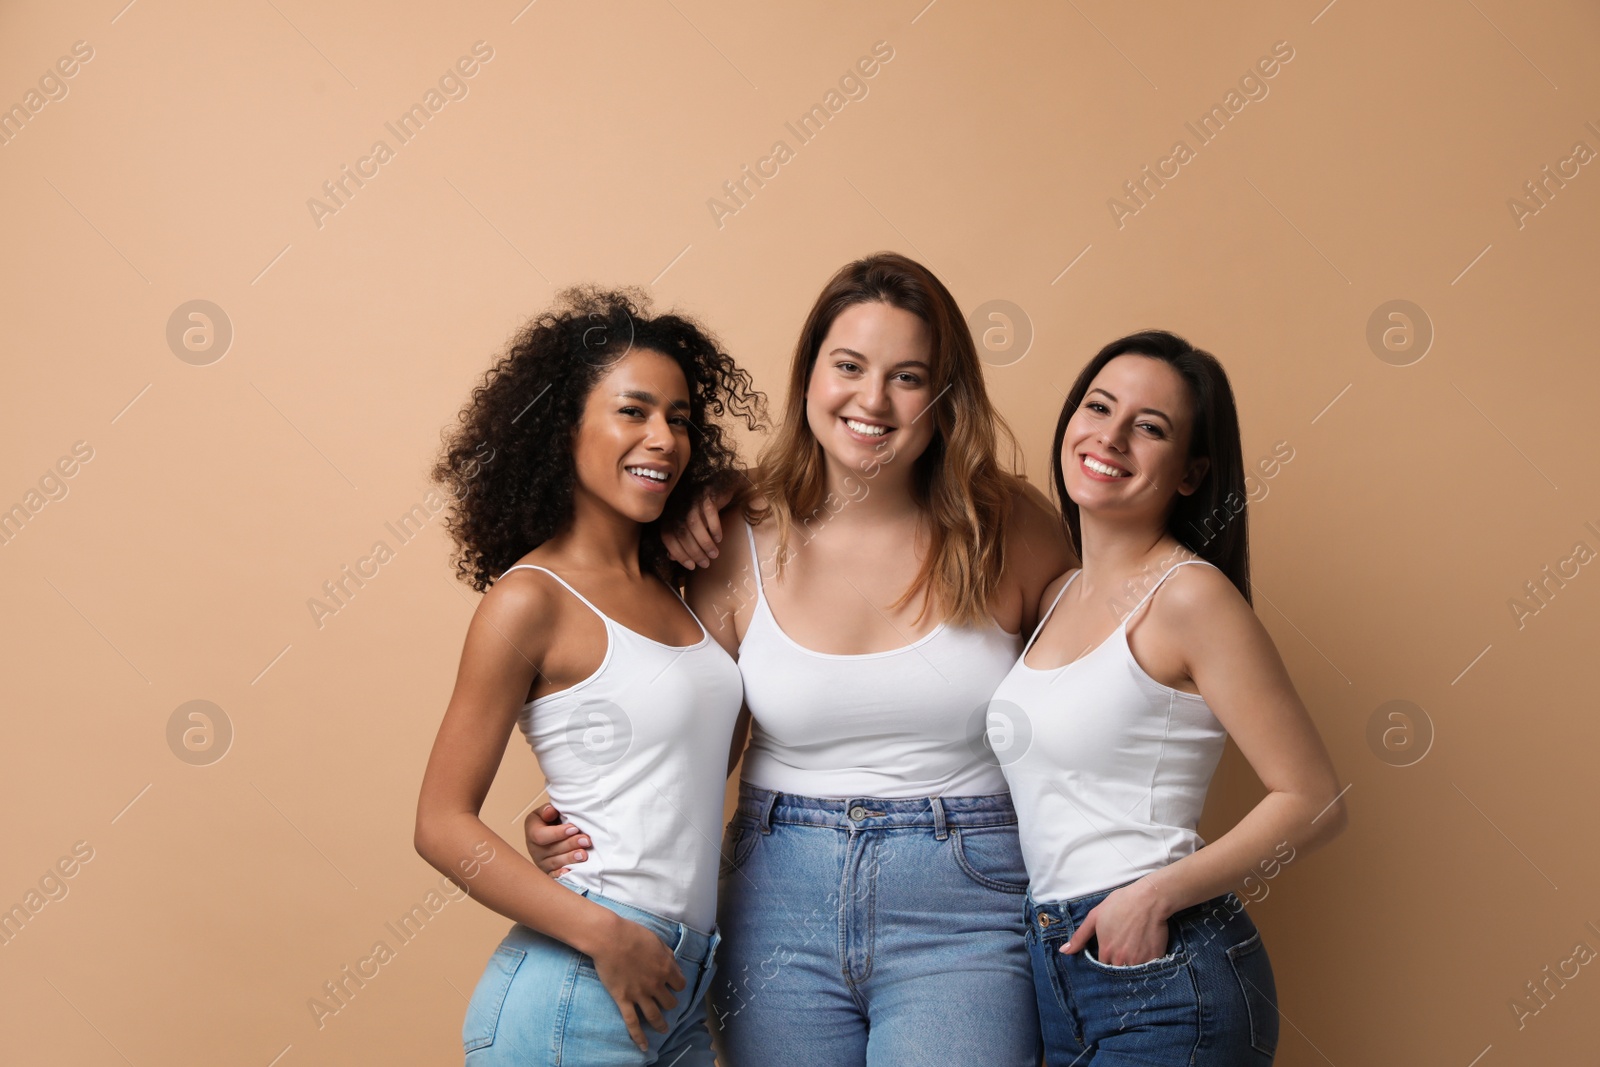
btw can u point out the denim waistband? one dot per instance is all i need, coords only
(767, 807)
(684, 940)
(1066, 915)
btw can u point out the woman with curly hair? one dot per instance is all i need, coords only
(599, 427)
(879, 576)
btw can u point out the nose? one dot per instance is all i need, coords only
(661, 437)
(875, 395)
(1114, 436)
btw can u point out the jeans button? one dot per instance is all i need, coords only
(1044, 920)
(858, 813)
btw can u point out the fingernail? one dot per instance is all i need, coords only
(578, 855)
(584, 842)
(570, 830)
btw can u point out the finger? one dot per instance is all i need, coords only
(653, 1016)
(551, 836)
(676, 980)
(566, 859)
(631, 1019)
(713, 519)
(697, 539)
(562, 871)
(551, 864)
(1080, 936)
(549, 814)
(674, 546)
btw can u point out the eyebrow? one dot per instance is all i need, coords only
(1152, 411)
(650, 398)
(858, 355)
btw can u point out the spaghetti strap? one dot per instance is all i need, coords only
(568, 588)
(1159, 582)
(755, 556)
(705, 635)
(1050, 610)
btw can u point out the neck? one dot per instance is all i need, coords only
(1116, 548)
(598, 538)
(881, 494)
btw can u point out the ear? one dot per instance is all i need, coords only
(1195, 475)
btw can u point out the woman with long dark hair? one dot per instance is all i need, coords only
(1141, 951)
(599, 425)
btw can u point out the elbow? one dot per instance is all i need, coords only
(425, 836)
(1332, 822)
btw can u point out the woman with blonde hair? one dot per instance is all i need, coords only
(883, 565)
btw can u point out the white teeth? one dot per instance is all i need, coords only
(646, 472)
(866, 429)
(1101, 468)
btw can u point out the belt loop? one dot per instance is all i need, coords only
(940, 831)
(764, 820)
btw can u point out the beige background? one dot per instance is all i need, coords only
(220, 497)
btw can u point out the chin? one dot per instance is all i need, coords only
(647, 513)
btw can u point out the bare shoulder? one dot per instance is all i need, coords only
(733, 553)
(522, 605)
(744, 483)
(1053, 590)
(1036, 537)
(1199, 596)
(751, 497)
(723, 593)
(1028, 504)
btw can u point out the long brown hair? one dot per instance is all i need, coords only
(958, 481)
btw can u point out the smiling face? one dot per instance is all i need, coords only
(1126, 448)
(870, 388)
(632, 444)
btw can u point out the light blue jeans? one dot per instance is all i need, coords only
(873, 933)
(541, 1003)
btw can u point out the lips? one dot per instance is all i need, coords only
(1101, 470)
(651, 478)
(866, 429)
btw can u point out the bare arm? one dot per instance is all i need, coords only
(1234, 663)
(506, 638)
(723, 596)
(1037, 552)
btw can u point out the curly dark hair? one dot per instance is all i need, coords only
(525, 413)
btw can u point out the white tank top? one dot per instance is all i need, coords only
(637, 755)
(899, 724)
(1113, 767)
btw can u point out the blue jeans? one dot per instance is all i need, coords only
(540, 1003)
(1209, 1002)
(873, 933)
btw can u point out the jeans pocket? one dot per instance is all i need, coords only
(483, 1012)
(1170, 962)
(1158, 996)
(1254, 972)
(737, 842)
(992, 857)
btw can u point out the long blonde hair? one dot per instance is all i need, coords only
(958, 481)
